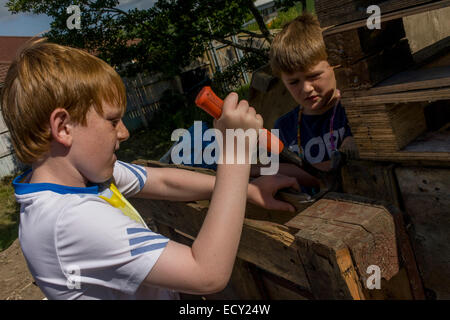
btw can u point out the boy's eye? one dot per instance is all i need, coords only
(293, 82)
(114, 122)
(314, 76)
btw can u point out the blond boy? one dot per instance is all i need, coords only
(318, 125)
(80, 236)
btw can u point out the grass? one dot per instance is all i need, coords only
(284, 16)
(244, 92)
(9, 213)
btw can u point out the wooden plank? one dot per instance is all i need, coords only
(252, 211)
(265, 244)
(431, 142)
(371, 70)
(426, 195)
(347, 11)
(246, 281)
(411, 282)
(366, 178)
(348, 47)
(409, 158)
(344, 238)
(369, 232)
(280, 289)
(390, 127)
(427, 28)
(436, 77)
(401, 97)
(407, 121)
(319, 258)
(388, 16)
(242, 284)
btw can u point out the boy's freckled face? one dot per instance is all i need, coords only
(313, 88)
(94, 145)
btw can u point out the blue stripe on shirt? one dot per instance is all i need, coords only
(145, 238)
(141, 181)
(144, 172)
(150, 247)
(137, 230)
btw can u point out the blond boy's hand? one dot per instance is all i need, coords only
(261, 191)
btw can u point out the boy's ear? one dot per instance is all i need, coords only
(61, 126)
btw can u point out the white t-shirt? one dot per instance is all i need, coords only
(89, 243)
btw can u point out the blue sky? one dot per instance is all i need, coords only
(23, 24)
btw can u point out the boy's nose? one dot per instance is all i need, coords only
(122, 132)
(307, 87)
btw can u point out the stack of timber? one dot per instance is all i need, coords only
(325, 250)
(404, 118)
(338, 12)
(401, 122)
(363, 57)
(395, 80)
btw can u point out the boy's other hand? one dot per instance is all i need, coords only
(262, 190)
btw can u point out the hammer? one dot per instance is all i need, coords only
(329, 180)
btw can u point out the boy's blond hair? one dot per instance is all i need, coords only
(45, 76)
(298, 46)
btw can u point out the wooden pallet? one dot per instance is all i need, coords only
(320, 252)
(422, 79)
(388, 121)
(371, 70)
(366, 57)
(349, 14)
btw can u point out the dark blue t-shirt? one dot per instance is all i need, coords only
(315, 132)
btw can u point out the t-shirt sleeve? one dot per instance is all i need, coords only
(107, 248)
(129, 178)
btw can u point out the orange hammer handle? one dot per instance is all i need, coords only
(212, 104)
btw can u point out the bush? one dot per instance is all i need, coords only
(230, 79)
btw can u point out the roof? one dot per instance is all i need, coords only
(8, 50)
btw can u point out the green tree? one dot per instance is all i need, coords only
(164, 38)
